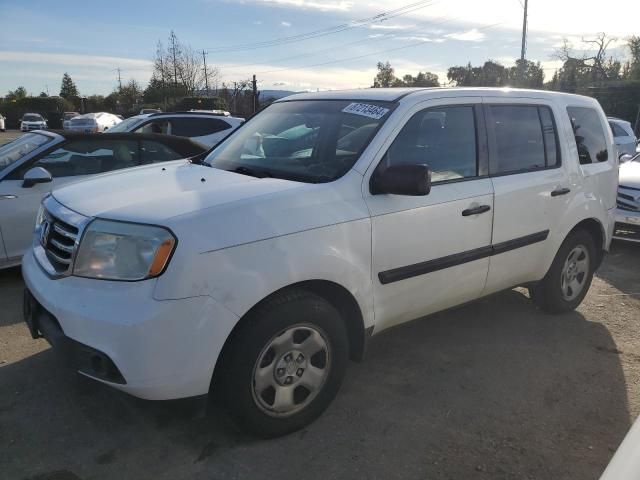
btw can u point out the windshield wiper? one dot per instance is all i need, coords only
(250, 172)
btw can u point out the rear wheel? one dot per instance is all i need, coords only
(284, 364)
(568, 280)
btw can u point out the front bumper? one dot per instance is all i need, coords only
(161, 349)
(29, 128)
(627, 226)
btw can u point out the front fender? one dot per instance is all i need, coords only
(239, 277)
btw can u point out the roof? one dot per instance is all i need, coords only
(396, 94)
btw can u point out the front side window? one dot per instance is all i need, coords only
(157, 126)
(309, 141)
(589, 134)
(444, 138)
(125, 126)
(21, 147)
(86, 157)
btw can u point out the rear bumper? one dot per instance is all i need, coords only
(627, 226)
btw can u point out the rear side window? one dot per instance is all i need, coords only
(523, 138)
(197, 127)
(617, 130)
(590, 139)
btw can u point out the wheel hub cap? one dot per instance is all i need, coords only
(574, 273)
(291, 370)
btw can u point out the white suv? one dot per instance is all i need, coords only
(325, 219)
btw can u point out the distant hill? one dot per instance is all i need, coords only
(275, 94)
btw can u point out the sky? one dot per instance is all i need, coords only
(40, 40)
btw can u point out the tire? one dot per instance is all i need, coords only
(564, 286)
(283, 365)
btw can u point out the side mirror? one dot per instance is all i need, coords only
(413, 180)
(36, 175)
(625, 157)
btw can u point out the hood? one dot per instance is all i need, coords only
(630, 174)
(155, 193)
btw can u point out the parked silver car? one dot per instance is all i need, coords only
(623, 136)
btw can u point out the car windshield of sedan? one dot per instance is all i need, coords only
(21, 147)
(312, 141)
(32, 117)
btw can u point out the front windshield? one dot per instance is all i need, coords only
(125, 125)
(311, 141)
(32, 118)
(20, 147)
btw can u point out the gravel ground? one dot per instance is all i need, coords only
(495, 389)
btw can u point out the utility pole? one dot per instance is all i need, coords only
(175, 66)
(255, 94)
(206, 77)
(119, 79)
(524, 41)
(164, 92)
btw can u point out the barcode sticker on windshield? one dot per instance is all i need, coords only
(366, 110)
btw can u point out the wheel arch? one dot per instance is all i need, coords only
(336, 294)
(594, 228)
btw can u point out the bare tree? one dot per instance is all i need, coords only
(594, 59)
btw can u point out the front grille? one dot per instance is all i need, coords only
(58, 239)
(628, 198)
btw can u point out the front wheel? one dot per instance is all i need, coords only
(568, 280)
(284, 364)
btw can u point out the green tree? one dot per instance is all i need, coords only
(633, 67)
(17, 94)
(385, 76)
(68, 89)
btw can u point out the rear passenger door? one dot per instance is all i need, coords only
(530, 185)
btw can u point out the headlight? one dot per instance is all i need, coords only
(123, 251)
(39, 217)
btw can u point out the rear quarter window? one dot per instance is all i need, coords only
(589, 135)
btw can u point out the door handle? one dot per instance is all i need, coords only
(476, 210)
(560, 191)
(8, 197)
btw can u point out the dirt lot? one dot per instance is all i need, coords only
(9, 135)
(495, 389)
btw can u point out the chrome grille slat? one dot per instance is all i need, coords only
(60, 246)
(65, 233)
(64, 261)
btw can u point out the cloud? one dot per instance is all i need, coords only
(331, 5)
(67, 59)
(473, 35)
(285, 24)
(257, 22)
(386, 26)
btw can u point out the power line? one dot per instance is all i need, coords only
(328, 31)
(362, 56)
(342, 46)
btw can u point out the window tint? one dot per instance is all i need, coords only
(589, 135)
(518, 141)
(86, 157)
(153, 152)
(443, 138)
(198, 127)
(617, 130)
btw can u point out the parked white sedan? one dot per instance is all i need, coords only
(93, 122)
